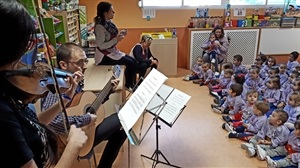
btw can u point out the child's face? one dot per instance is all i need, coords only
(292, 77)
(231, 93)
(292, 102)
(199, 61)
(295, 86)
(297, 132)
(256, 111)
(271, 73)
(253, 74)
(271, 62)
(236, 62)
(282, 69)
(270, 84)
(274, 119)
(204, 68)
(251, 98)
(212, 38)
(227, 75)
(291, 58)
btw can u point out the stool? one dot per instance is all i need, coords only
(89, 156)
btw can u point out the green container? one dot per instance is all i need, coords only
(248, 23)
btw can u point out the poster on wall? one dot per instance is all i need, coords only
(239, 12)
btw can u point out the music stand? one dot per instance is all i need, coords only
(157, 152)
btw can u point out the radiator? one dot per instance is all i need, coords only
(243, 42)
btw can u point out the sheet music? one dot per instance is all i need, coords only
(175, 99)
(134, 107)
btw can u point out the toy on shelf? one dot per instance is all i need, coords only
(227, 21)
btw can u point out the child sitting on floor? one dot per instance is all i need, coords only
(273, 133)
(291, 151)
(223, 81)
(292, 62)
(206, 76)
(196, 69)
(293, 109)
(238, 68)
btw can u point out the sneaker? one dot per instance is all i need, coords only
(228, 127)
(251, 152)
(217, 100)
(214, 106)
(261, 153)
(247, 145)
(226, 118)
(129, 89)
(217, 74)
(223, 125)
(270, 162)
(186, 78)
(213, 61)
(216, 110)
(233, 134)
(196, 81)
(214, 94)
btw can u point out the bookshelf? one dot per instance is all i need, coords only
(55, 30)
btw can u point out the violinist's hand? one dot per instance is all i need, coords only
(76, 137)
(74, 80)
(115, 83)
(78, 76)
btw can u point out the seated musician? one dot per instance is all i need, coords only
(72, 58)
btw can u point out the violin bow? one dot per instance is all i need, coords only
(42, 30)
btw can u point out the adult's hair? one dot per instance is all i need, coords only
(217, 28)
(17, 32)
(146, 37)
(102, 7)
(65, 51)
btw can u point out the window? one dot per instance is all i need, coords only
(201, 2)
(247, 2)
(163, 3)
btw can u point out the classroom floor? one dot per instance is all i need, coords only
(196, 139)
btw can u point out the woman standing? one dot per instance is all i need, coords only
(107, 37)
(222, 43)
(26, 140)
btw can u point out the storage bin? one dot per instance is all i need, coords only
(274, 23)
(288, 22)
(297, 24)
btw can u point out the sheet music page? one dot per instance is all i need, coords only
(134, 107)
(156, 103)
(175, 102)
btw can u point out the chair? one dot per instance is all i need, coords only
(89, 156)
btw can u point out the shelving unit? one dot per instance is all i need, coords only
(55, 31)
(72, 24)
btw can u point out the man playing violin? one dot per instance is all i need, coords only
(72, 58)
(26, 140)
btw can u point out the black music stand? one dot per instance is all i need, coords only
(157, 152)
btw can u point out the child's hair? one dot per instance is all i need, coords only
(205, 64)
(276, 81)
(256, 69)
(282, 65)
(295, 73)
(282, 115)
(297, 81)
(262, 106)
(255, 66)
(239, 78)
(199, 57)
(230, 71)
(211, 34)
(252, 92)
(296, 97)
(274, 69)
(228, 65)
(263, 57)
(236, 88)
(238, 57)
(295, 55)
(297, 124)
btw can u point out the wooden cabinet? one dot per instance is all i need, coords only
(72, 25)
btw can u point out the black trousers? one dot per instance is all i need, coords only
(142, 68)
(109, 129)
(130, 70)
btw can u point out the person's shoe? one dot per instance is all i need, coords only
(214, 94)
(261, 153)
(251, 152)
(217, 100)
(233, 134)
(197, 81)
(226, 118)
(201, 84)
(186, 78)
(270, 162)
(228, 127)
(223, 125)
(214, 106)
(129, 89)
(245, 146)
(217, 74)
(213, 61)
(216, 110)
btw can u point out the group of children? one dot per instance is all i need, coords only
(259, 105)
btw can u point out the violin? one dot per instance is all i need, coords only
(33, 81)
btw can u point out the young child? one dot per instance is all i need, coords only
(291, 151)
(293, 109)
(253, 82)
(246, 130)
(272, 93)
(210, 49)
(292, 62)
(243, 115)
(222, 81)
(283, 74)
(196, 70)
(206, 76)
(265, 69)
(233, 103)
(260, 60)
(237, 65)
(273, 133)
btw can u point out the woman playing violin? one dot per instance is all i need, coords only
(28, 141)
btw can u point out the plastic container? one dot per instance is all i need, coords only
(240, 23)
(233, 23)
